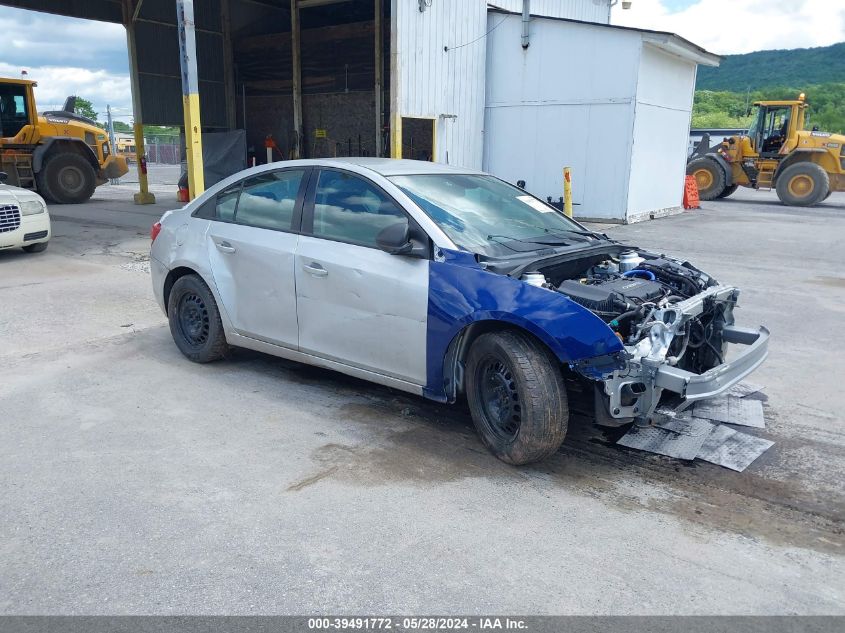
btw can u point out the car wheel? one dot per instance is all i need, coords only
(516, 396)
(803, 184)
(36, 248)
(195, 320)
(709, 177)
(727, 191)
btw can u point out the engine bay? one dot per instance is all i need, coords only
(634, 293)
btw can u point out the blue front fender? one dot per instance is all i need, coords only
(461, 292)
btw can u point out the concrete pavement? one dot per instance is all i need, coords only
(136, 482)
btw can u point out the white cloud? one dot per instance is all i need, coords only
(56, 83)
(742, 26)
(67, 56)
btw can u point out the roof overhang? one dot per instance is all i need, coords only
(667, 42)
(678, 46)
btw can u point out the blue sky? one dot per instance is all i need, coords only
(678, 5)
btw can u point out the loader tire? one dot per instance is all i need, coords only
(803, 185)
(728, 191)
(66, 178)
(709, 177)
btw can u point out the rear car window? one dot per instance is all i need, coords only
(226, 202)
(267, 200)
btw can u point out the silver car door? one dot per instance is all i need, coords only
(357, 304)
(251, 248)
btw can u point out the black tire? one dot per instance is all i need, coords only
(829, 191)
(803, 184)
(40, 247)
(727, 191)
(516, 396)
(66, 178)
(195, 320)
(709, 177)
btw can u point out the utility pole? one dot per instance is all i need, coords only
(190, 96)
(112, 144)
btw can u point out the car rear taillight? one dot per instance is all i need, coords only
(155, 229)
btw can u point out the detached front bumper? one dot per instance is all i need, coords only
(711, 383)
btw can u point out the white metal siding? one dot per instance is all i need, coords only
(586, 10)
(435, 83)
(568, 100)
(661, 131)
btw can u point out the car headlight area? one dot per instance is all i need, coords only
(32, 207)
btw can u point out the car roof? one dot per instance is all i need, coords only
(392, 166)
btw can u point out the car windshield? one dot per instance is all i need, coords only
(485, 215)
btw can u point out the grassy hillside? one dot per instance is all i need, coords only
(731, 109)
(724, 95)
(761, 69)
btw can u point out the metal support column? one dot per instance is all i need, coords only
(112, 142)
(228, 66)
(395, 85)
(190, 96)
(379, 48)
(297, 80)
(130, 13)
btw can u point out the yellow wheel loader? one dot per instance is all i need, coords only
(62, 155)
(803, 166)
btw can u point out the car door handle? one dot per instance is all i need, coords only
(225, 247)
(315, 269)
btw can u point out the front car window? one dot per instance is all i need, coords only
(485, 215)
(348, 208)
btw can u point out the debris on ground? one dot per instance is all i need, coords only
(679, 437)
(732, 449)
(703, 434)
(733, 410)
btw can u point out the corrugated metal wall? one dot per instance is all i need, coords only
(439, 73)
(586, 10)
(566, 101)
(157, 45)
(665, 89)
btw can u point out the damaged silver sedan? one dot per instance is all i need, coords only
(445, 282)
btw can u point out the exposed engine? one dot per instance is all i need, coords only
(634, 294)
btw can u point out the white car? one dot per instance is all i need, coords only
(445, 282)
(24, 220)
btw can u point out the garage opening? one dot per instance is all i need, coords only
(418, 137)
(344, 62)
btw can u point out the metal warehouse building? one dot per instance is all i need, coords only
(465, 82)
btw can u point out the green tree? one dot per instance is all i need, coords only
(731, 109)
(85, 108)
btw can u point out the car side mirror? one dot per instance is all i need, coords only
(396, 239)
(3, 176)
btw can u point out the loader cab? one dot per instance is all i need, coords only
(774, 124)
(16, 110)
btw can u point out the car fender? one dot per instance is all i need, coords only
(461, 293)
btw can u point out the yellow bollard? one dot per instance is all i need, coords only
(567, 192)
